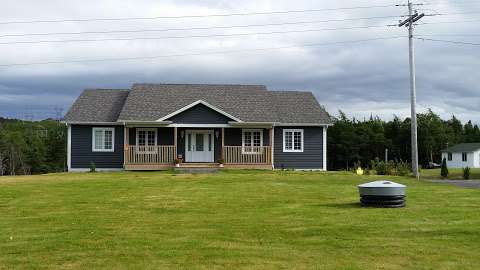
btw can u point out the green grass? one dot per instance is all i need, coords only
(231, 220)
(454, 174)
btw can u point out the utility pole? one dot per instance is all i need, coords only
(386, 155)
(409, 22)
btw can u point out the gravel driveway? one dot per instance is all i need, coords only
(460, 183)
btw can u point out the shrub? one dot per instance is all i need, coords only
(403, 168)
(93, 167)
(391, 168)
(444, 171)
(381, 168)
(466, 173)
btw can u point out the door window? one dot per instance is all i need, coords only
(199, 142)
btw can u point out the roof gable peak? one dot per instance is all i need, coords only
(191, 105)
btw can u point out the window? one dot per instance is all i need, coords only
(146, 139)
(450, 156)
(252, 141)
(293, 140)
(464, 157)
(103, 139)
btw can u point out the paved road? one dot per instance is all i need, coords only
(460, 183)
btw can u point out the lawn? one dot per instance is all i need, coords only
(231, 220)
(454, 174)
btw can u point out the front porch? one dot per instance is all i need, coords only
(158, 148)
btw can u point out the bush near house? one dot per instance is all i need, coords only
(466, 173)
(444, 169)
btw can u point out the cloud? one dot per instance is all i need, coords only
(361, 78)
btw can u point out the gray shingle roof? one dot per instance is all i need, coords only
(463, 147)
(250, 103)
(97, 105)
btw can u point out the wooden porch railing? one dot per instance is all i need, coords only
(247, 155)
(160, 154)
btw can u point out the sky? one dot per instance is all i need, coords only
(342, 51)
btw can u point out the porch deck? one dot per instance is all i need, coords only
(162, 157)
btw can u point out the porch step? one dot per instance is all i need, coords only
(199, 165)
(196, 170)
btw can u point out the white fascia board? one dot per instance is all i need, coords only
(302, 124)
(196, 103)
(136, 123)
(199, 125)
(95, 123)
(252, 124)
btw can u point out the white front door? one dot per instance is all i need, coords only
(199, 146)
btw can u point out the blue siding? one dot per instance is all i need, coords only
(310, 158)
(200, 114)
(82, 154)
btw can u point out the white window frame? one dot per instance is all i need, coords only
(464, 154)
(95, 129)
(146, 139)
(449, 156)
(243, 140)
(285, 142)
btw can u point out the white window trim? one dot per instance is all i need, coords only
(146, 129)
(103, 129)
(466, 157)
(243, 141)
(284, 141)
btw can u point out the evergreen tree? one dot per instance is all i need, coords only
(444, 171)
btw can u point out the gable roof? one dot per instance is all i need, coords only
(242, 103)
(97, 105)
(463, 147)
(198, 102)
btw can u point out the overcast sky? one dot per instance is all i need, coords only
(361, 78)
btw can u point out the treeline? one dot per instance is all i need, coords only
(39, 147)
(28, 147)
(352, 140)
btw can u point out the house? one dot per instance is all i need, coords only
(150, 126)
(462, 155)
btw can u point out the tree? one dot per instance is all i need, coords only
(444, 171)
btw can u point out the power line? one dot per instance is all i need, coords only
(448, 35)
(466, 21)
(449, 41)
(191, 36)
(456, 13)
(199, 53)
(194, 28)
(449, 2)
(195, 16)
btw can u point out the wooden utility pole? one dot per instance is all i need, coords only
(409, 22)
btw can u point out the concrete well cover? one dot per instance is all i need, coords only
(382, 188)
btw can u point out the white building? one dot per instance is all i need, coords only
(462, 155)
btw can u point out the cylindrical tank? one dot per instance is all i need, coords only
(382, 193)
